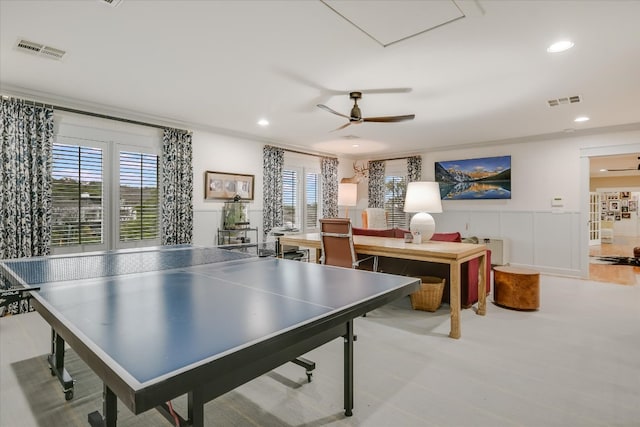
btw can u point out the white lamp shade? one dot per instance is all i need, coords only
(423, 196)
(347, 194)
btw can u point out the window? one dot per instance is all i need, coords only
(312, 201)
(105, 195)
(300, 198)
(395, 189)
(77, 196)
(139, 201)
(290, 199)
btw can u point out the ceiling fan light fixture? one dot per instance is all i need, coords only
(560, 46)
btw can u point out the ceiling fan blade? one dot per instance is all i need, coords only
(331, 110)
(389, 118)
(386, 90)
(342, 127)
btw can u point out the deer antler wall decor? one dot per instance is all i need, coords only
(360, 172)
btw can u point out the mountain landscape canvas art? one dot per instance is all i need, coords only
(482, 178)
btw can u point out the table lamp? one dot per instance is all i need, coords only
(347, 195)
(423, 197)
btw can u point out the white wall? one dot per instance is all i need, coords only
(541, 169)
(220, 153)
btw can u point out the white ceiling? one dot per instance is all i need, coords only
(477, 71)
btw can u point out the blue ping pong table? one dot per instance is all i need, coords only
(157, 324)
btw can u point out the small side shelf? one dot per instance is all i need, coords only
(238, 236)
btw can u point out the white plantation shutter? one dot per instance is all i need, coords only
(312, 204)
(139, 200)
(290, 198)
(77, 196)
(395, 189)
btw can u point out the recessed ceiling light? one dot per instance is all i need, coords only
(581, 119)
(356, 145)
(263, 122)
(560, 46)
(603, 170)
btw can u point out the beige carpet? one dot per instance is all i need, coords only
(573, 363)
(47, 403)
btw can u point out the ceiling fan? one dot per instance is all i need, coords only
(356, 116)
(625, 169)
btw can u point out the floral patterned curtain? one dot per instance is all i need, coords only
(26, 140)
(329, 169)
(414, 168)
(272, 166)
(376, 184)
(177, 187)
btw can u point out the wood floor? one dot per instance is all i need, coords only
(620, 274)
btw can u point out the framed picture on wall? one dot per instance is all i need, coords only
(474, 179)
(226, 186)
(633, 206)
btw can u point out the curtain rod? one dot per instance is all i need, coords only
(97, 115)
(105, 116)
(395, 158)
(302, 152)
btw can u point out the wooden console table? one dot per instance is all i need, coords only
(453, 254)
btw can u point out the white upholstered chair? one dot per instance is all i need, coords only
(606, 231)
(375, 218)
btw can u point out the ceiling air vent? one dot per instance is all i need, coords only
(564, 100)
(112, 3)
(40, 49)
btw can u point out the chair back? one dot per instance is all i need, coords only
(336, 238)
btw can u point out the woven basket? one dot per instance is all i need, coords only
(429, 297)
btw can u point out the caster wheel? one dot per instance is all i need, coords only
(68, 395)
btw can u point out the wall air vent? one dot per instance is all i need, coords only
(40, 49)
(564, 100)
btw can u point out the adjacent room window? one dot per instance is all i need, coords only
(77, 196)
(301, 198)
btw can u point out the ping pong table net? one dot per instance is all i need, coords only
(33, 271)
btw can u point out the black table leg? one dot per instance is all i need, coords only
(195, 408)
(56, 364)
(109, 409)
(348, 370)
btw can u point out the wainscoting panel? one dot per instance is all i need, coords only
(483, 223)
(544, 241)
(207, 222)
(548, 242)
(518, 228)
(205, 227)
(554, 240)
(452, 221)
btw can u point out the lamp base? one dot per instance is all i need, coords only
(423, 223)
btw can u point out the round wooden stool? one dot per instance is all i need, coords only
(517, 288)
